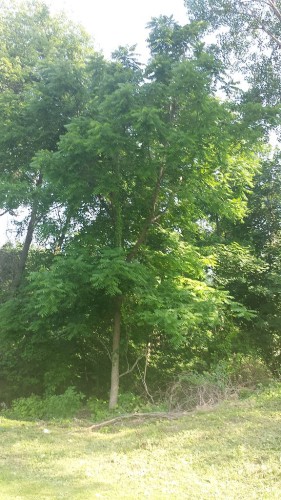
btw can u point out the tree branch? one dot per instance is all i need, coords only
(132, 367)
(272, 5)
(274, 8)
(143, 378)
(4, 213)
(149, 219)
(273, 37)
(106, 349)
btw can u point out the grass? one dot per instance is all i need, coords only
(230, 452)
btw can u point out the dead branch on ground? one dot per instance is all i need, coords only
(131, 416)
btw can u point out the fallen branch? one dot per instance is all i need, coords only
(120, 418)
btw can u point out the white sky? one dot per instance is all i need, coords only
(111, 23)
(118, 22)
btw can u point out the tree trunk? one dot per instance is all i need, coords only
(114, 389)
(28, 240)
(118, 230)
(25, 250)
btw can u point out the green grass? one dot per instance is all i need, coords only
(230, 452)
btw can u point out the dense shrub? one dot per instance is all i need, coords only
(53, 406)
(26, 408)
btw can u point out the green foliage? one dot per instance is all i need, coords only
(248, 38)
(127, 403)
(64, 405)
(42, 61)
(9, 257)
(26, 408)
(130, 177)
(61, 406)
(98, 408)
(250, 267)
(240, 272)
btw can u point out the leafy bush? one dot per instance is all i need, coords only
(127, 403)
(63, 406)
(55, 406)
(26, 408)
(98, 408)
(245, 393)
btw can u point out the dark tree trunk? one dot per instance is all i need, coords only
(25, 250)
(28, 240)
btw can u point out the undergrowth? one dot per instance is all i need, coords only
(236, 378)
(60, 406)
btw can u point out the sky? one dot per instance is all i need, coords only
(119, 22)
(111, 23)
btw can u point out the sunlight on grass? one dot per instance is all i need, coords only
(230, 452)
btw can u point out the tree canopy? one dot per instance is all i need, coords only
(135, 180)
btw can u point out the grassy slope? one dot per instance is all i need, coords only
(230, 452)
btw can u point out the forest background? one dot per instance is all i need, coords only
(151, 242)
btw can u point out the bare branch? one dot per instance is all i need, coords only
(272, 5)
(147, 356)
(11, 212)
(105, 348)
(132, 367)
(273, 37)
(160, 415)
(274, 8)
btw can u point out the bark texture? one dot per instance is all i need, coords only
(114, 388)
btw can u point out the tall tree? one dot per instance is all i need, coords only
(248, 35)
(41, 61)
(152, 155)
(139, 164)
(241, 16)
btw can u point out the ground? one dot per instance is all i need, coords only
(232, 451)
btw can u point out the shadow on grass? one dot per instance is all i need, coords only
(76, 462)
(14, 487)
